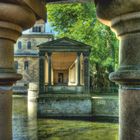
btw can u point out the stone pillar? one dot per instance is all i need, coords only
(32, 110)
(41, 72)
(86, 72)
(78, 68)
(124, 18)
(49, 69)
(15, 16)
(33, 91)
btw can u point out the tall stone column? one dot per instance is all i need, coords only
(41, 72)
(78, 68)
(86, 72)
(49, 69)
(124, 18)
(15, 16)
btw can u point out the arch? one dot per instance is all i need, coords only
(29, 45)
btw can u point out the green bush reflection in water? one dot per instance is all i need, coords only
(53, 129)
(76, 130)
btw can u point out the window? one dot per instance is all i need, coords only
(19, 45)
(16, 65)
(33, 29)
(26, 65)
(36, 29)
(29, 45)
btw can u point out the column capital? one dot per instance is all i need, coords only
(49, 53)
(107, 10)
(79, 53)
(86, 54)
(12, 23)
(41, 53)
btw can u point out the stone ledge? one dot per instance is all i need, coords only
(66, 96)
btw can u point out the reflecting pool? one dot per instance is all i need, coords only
(26, 126)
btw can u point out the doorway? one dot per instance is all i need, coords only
(60, 78)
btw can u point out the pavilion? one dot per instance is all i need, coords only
(64, 66)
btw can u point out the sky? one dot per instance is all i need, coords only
(48, 29)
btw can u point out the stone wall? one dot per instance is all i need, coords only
(64, 105)
(105, 106)
(77, 105)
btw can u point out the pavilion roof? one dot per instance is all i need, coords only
(64, 44)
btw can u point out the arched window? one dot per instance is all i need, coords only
(19, 45)
(39, 29)
(26, 65)
(16, 65)
(29, 45)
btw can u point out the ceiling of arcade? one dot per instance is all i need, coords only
(63, 60)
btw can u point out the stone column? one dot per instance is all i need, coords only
(14, 18)
(49, 69)
(124, 18)
(86, 71)
(41, 72)
(32, 110)
(78, 68)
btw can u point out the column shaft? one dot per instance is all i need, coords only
(5, 113)
(41, 73)
(86, 72)
(78, 69)
(49, 70)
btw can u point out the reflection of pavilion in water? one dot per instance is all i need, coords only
(64, 66)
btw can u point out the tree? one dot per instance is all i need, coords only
(78, 21)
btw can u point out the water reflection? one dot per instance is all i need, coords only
(24, 119)
(20, 119)
(32, 119)
(27, 127)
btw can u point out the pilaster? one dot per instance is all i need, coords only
(41, 72)
(86, 72)
(49, 68)
(78, 68)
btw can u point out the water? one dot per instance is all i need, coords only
(26, 126)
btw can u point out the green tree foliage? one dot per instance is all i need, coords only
(78, 21)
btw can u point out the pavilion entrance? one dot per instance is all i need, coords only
(64, 66)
